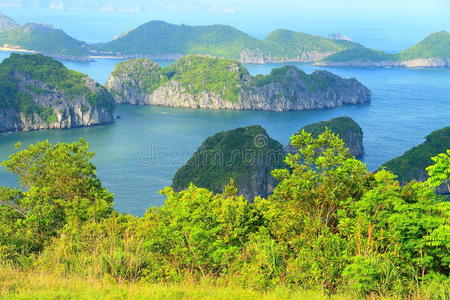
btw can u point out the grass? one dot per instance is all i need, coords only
(17, 284)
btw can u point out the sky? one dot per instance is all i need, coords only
(440, 7)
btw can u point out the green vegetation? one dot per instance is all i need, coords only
(221, 76)
(278, 75)
(44, 285)
(46, 71)
(361, 55)
(195, 73)
(411, 165)
(340, 126)
(141, 73)
(330, 226)
(291, 44)
(345, 128)
(237, 155)
(44, 39)
(435, 45)
(159, 38)
(291, 76)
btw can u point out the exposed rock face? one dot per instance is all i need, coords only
(7, 23)
(68, 112)
(247, 155)
(256, 56)
(346, 128)
(285, 89)
(174, 95)
(129, 87)
(49, 107)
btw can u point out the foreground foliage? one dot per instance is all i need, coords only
(330, 226)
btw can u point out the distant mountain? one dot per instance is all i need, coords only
(7, 23)
(44, 39)
(158, 39)
(411, 165)
(290, 46)
(38, 92)
(433, 51)
(219, 83)
(436, 45)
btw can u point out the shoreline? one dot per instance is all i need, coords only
(17, 50)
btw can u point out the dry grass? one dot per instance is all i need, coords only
(16, 284)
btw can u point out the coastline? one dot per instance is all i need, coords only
(16, 50)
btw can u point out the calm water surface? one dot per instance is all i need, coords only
(139, 154)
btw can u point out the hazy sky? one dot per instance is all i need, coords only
(357, 6)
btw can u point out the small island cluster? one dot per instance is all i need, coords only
(41, 93)
(160, 40)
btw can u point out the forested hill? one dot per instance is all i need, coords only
(46, 40)
(433, 51)
(158, 38)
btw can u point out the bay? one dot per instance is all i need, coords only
(139, 154)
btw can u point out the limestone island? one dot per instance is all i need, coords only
(344, 127)
(40, 93)
(248, 155)
(218, 83)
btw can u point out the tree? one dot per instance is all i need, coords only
(196, 231)
(440, 171)
(302, 213)
(59, 185)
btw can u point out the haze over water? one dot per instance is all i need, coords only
(139, 154)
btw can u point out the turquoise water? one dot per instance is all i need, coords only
(139, 154)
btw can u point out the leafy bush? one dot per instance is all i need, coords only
(330, 225)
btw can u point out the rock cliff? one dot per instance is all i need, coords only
(346, 128)
(217, 83)
(247, 155)
(40, 93)
(256, 56)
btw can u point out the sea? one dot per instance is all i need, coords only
(139, 154)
